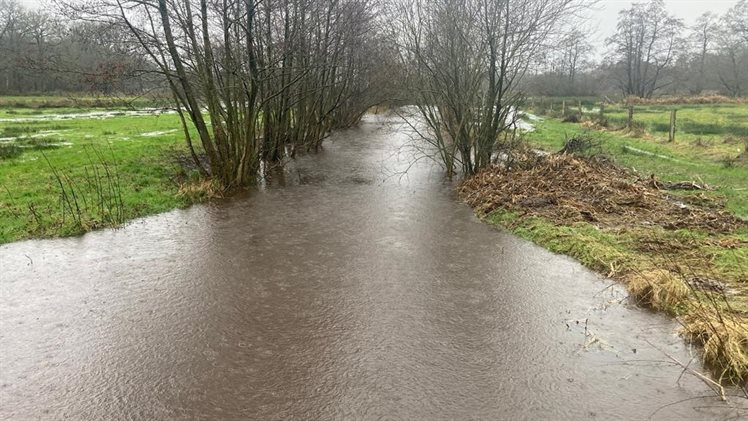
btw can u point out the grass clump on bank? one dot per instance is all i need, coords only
(683, 259)
(659, 289)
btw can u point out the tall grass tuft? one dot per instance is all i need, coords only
(94, 198)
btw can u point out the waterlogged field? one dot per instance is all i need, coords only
(65, 170)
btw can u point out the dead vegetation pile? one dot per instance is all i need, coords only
(566, 188)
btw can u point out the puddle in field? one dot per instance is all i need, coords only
(39, 135)
(97, 115)
(347, 289)
(158, 133)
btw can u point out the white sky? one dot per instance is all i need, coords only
(603, 19)
(604, 16)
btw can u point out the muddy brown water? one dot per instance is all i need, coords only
(344, 290)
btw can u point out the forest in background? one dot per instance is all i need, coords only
(651, 53)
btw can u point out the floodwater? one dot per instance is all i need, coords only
(344, 290)
(92, 115)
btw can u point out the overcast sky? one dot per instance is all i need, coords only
(603, 17)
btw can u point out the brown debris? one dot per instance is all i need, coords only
(731, 243)
(565, 188)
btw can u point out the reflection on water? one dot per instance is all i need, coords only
(353, 292)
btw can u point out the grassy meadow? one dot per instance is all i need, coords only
(67, 170)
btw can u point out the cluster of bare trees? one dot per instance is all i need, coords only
(254, 80)
(718, 57)
(564, 70)
(463, 61)
(644, 47)
(40, 52)
(651, 53)
(652, 50)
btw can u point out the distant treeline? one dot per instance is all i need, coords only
(42, 52)
(652, 53)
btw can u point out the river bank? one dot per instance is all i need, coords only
(682, 254)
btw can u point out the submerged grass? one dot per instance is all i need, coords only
(724, 340)
(39, 157)
(712, 318)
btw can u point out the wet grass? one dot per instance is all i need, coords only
(47, 158)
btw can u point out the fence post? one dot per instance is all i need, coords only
(673, 113)
(602, 109)
(630, 121)
(580, 108)
(563, 108)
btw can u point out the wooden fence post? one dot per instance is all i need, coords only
(630, 121)
(671, 136)
(580, 108)
(602, 109)
(563, 108)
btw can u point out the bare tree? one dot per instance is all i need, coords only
(573, 54)
(732, 45)
(464, 60)
(736, 19)
(703, 35)
(644, 47)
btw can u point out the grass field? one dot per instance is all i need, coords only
(64, 173)
(718, 130)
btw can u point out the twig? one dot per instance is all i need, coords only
(686, 368)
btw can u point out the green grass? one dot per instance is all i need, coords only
(81, 151)
(712, 121)
(679, 161)
(593, 247)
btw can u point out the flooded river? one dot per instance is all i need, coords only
(344, 290)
